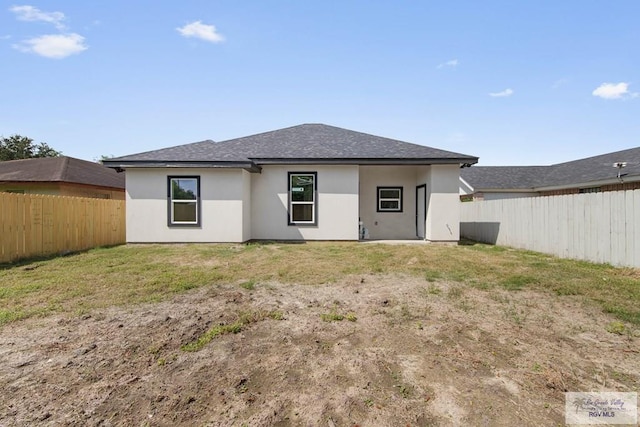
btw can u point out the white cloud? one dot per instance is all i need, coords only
(611, 90)
(30, 13)
(504, 93)
(56, 46)
(453, 63)
(201, 31)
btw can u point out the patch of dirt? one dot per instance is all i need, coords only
(419, 354)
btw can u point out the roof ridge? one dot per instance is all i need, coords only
(599, 155)
(267, 132)
(63, 167)
(324, 125)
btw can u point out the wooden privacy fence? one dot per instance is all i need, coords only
(599, 227)
(35, 224)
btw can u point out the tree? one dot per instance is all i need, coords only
(17, 147)
(103, 157)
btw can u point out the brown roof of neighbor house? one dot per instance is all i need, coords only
(60, 169)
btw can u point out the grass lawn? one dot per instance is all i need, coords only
(132, 274)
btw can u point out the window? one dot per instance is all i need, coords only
(183, 195)
(302, 198)
(389, 199)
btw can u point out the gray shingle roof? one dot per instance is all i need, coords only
(307, 142)
(502, 177)
(583, 171)
(197, 151)
(595, 168)
(60, 169)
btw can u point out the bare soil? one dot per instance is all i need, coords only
(419, 354)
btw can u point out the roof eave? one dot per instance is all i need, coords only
(365, 161)
(505, 190)
(589, 184)
(145, 164)
(255, 163)
(41, 182)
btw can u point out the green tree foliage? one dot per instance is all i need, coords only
(104, 157)
(17, 147)
(181, 192)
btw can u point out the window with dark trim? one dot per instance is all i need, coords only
(303, 202)
(389, 199)
(183, 198)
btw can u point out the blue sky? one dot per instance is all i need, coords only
(513, 82)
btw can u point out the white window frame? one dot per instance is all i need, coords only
(389, 199)
(313, 203)
(172, 202)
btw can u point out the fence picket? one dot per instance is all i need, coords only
(34, 224)
(601, 227)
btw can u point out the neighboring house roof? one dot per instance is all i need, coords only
(597, 168)
(502, 177)
(60, 169)
(307, 143)
(583, 172)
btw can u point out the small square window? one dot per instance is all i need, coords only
(389, 199)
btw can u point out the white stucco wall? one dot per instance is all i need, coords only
(389, 225)
(443, 203)
(237, 206)
(337, 207)
(223, 209)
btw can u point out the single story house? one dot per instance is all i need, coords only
(615, 171)
(61, 176)
(306, 182)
